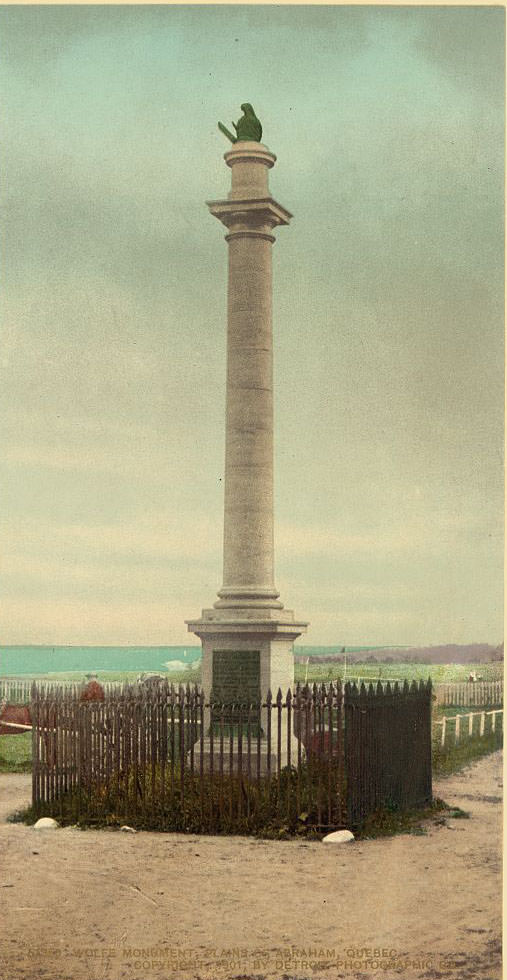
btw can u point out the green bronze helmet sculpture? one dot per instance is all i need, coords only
(247, 128)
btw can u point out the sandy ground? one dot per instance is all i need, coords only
(91, 905)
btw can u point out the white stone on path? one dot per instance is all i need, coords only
(46, 823)
(338, 837)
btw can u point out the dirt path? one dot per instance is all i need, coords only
(91, 905)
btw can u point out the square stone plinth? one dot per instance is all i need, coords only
(239, 639)
(264, 759)
(244, 656)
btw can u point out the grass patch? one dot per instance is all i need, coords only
(454, 757)
(16, 753)
(451, 711)
(390, 821)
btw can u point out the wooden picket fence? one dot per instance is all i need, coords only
(471, 694)
(467, 694)
(167, 758)
(464, 725)
(15, 690)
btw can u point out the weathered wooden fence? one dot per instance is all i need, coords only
(471, 725)
(387, 747)
(15, 690)
(471, 694)
(167, 758)
(18, 691)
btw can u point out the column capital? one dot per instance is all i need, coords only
(250, 216)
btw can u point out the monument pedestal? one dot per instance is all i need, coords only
(244, 657)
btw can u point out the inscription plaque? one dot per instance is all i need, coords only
(236, 680)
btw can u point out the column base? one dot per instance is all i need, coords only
(263, 763)
(239, 598)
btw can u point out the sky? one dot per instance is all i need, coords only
(387, 124)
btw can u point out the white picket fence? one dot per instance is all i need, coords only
(470, 694)
(17, 691)
(460, 728)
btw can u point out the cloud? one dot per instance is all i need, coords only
(399, 535)
(163, 538)
(75, 622)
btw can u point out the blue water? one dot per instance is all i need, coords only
(16, 660)
(44, 660)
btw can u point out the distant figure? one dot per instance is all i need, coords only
(247, 128)
(472, 677)
(149, 680)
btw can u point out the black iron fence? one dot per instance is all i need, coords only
(166, 758)
(387, 748)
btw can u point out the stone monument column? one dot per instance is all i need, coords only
(250, 217)
(247, 638)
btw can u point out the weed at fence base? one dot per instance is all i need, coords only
(287, 805)
(386, 822)
(389, 821)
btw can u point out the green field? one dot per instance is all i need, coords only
(313, 672)
(16, 752)
(439, 673)
(188, 676)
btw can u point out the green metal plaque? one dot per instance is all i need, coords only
(236, 684)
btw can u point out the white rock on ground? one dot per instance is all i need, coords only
(46, 823)
(338, 837)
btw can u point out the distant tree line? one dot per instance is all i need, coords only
(451, 653)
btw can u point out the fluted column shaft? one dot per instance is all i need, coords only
(248, 505)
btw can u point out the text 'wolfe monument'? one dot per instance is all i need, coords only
(247, 637)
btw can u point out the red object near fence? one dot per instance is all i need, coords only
(14, 713)
(320, 744)
(19, 714)
(92, 692)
